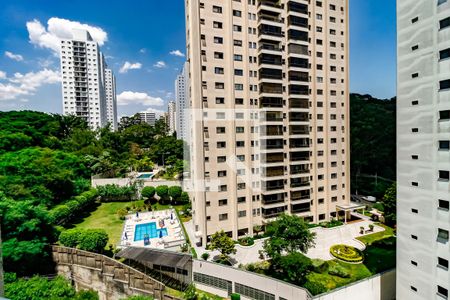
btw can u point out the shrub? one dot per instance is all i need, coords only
(235, 296)
(347, 253)
(93, 240)
(294, 267)
(315, 287)
(70, 238)
(184, 198)
(86, 295)
(205, 256)
(338, 271)
(113, 192)
(387, 243)
(371, 227)
(319, 265)
(175, 193)
(148, 192)
(162, 191)
(122, 213)
(190, 293)
(246, 241)
(378, 206)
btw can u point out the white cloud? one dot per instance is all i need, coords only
(27, 84)
(129, 66)
(2, 75)
(58, 29)
(177, 53)
(143, 50)
(160, 64)
(128, 97)
(16, 57)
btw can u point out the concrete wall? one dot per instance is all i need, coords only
(110, 278)
(127, 181)
(378, 287)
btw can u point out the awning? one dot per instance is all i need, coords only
(352, 206)
(149, 257)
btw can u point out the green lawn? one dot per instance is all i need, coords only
(369, 239)
(379, 259)
(105, 217)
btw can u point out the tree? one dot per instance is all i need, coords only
(288, 234)
(93, 240)
(257, 229)
(70, 238)
(40, 288)
(294, 267)
(184, 198)
(390, 205)
(222, 242)
(148, 192)
(162, 191)
(175, 194)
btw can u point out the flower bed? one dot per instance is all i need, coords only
(347, 253)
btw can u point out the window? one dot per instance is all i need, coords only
(414, 263)
(237, 13)
(221, 159)
(218, 70)
(414, 211)
(442, 291)
(240, 143)
(442, 234)
(444, 23)
(218, 55)
(237, 28)
(223, 202)
(238, 72)
(444, 175)
(242, 213)
(239, 129)
(237, 43)
(414, 288)
(444, 54)
(444, 84)
(414, 237)
(220, 100)
(217, 25)
(217, 9)
(218, 40)
(442, 262)
(415, 75)
(220, 129)
(223, 217)
(415, 47)
(238, 57)
(444, 115)
(444, 145)
(415, 20)
(444, 205)
(221, 144)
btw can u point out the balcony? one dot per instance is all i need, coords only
(299, 143)
(298, 21)
(272, 144)
(298, 129)
(299, 103)
(270, 102)
(272, 185)
(274, 3)
(270, 158)
(298, 49)
(297, 7)
(266, 73)
(297, 35)
(269, 46)
(299, 169)
(300, 195)
(295, 89)
(298, 62)
(299, 76)
(273, 212)
(267, 15)
(298, 117)
(299, 182)
(300, 208)
(271, 116)
(271, 88)
(271, 130)
(265, 29)
(299, 156)
(270, 59)
(272, 199)
(272, 171)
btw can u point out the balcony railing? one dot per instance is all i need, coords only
(297, 7)
(274, 4)
(298, 103)
(270, 102)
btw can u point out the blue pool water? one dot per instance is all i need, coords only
(145, 176)
(148, 228)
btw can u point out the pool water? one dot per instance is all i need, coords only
(150, 229)
(145, 176)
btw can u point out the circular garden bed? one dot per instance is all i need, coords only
(347, 253)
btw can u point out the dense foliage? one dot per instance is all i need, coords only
(113, 192)
(373, 144)
(93, 240)
(222, 242)
(389, 203)
(46, 163)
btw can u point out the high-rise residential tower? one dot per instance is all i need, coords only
(182, 101)
(172, 117)
(111, 98)
(269, 105)
(83, 71)
(148, 117)
(423, 149)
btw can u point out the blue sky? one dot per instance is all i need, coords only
(144, 33)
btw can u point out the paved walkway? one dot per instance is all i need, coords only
(325, 238)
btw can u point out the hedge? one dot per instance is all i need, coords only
(94, 240)
(116, 193)
(347, 253)
(65, 212)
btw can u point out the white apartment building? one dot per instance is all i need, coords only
(182, 101)
(111, 98)
(83, 79)
(269, 104)
(148, 117)
(423, 149)
(171, 117)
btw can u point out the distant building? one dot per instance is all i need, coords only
(171, 117)
(182, 101)
(111, 99)
(148, 117)
(84, 80)
(423, 149)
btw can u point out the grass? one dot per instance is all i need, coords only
(369, 239)
(379, 259)
(105, 217)
(180, 294)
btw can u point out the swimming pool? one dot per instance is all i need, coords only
(150, 229)
(146, 176)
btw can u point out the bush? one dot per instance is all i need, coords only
(163, 192)
(70, 238)
(122, 213)
(347, 253)
(205, 256)
(175, 194)
(378, 206)
(148, 192)
(319, 266)
(235, 296)
(338, 271)
(113, 192)
(387, 243)
(93, 240)
(86, 295)
(65, 212)
(293, 267)
(184, 198)
(190, 293)
(246, 241)
(315, 287)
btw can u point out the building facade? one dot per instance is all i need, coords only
(171, 117)
(148, 117)
(182, 102)
(111, 98)
(83, 71)
(269, 110)
(423, 149)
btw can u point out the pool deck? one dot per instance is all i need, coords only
(174, 239)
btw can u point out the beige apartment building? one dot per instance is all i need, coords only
(269, 112)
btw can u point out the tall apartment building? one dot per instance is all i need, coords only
(148, 117)
(83, 71)
(171, 117)
(111, 98)
(182, 101)
(269, 106)
(423, 149)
